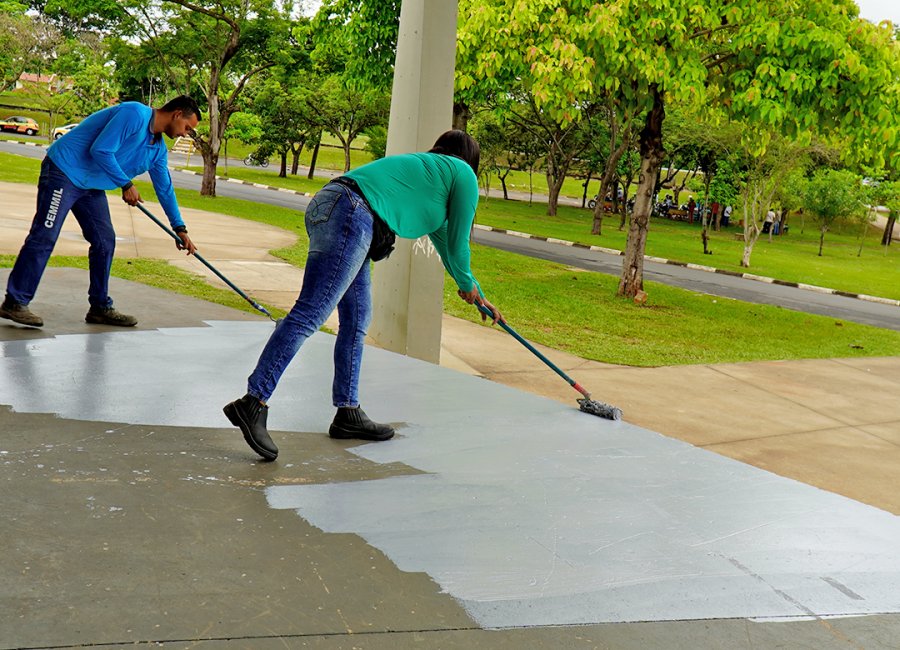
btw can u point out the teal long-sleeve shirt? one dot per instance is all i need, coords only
(111, 147)
(426, 194)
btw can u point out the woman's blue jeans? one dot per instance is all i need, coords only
(337, 275)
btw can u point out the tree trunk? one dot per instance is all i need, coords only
(502, 178)
(282, 168)
(555, 187)
(346, 155)
(705, 217)
(652, 154)
(461, 115)
(210, 162)
(587, 182)
(211, 150)
(626, 183)
(312, 161)
(745, 258)
(295, 161)
(821, 239)
(888, 230)
(605, 182)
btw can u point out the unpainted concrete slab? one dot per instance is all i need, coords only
(62, 302)
(854, 461)
(820, 385)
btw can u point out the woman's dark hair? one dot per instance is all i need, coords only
(183, 103)
(460, 145)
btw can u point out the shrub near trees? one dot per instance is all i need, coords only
(830, 194)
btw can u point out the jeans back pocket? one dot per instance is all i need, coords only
(323, 205)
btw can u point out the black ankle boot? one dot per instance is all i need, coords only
(354, 423)
(249, 415)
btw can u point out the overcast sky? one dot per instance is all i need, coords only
(878, 10)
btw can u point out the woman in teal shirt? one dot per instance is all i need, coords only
(350, 221)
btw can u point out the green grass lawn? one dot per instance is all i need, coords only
(578, 311)
(563, 308)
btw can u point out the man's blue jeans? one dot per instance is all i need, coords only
(56, 197)
(337, 275)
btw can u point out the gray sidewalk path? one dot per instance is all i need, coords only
(134, 514)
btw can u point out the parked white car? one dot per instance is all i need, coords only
(60, 131)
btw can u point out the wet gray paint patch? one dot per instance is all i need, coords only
(531, 513)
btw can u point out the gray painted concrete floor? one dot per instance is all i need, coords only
(134, 513)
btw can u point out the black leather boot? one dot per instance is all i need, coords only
(354, 423)
(249, 415)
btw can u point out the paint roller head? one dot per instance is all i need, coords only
(599, 409)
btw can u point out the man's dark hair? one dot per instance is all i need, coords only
(460, 145)
(185, 104)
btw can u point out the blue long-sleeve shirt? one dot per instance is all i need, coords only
(111, 147)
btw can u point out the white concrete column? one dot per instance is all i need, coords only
(407, 288)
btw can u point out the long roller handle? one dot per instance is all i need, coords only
(237, 290)
(574, 384)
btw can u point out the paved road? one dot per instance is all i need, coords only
(850, 309)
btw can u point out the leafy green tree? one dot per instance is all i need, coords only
(795, 67)
(19, 41)
(831, 194)
(492, 138)
(347, 112)
(791, 191)
(358, 39)
(762, 177)
(217, 46)
(57, 104)
(376, 141)
(287, 121)
(724, 186)
(244, 127)
(78, 17)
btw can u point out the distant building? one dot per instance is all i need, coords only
(53, 81)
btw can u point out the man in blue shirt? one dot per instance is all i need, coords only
(105, 151)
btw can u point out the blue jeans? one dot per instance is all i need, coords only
(56, 197)
(336, 275)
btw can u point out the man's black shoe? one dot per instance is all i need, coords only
(109, 316)
(249, 415)
(19, 313)
(354, 423)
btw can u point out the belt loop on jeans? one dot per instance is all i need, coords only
(353, 186)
